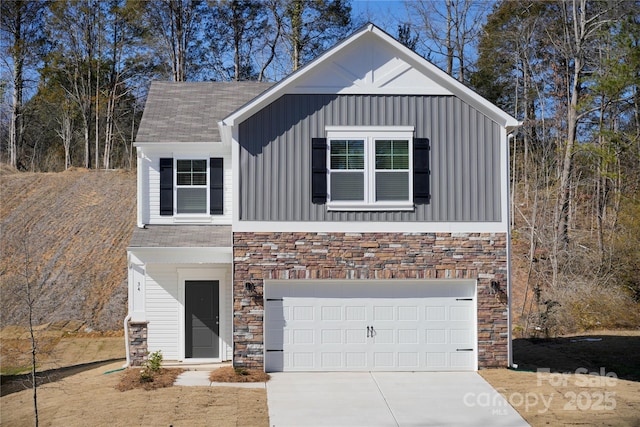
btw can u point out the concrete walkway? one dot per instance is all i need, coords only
(386, 399)
(201, 379)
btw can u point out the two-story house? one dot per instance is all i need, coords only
(353, 216)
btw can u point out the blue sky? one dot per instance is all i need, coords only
(384, 13)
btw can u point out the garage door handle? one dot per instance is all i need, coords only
(464, 349)
(368, 332)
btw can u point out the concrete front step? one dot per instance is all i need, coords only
(200, 378)
(194, 366)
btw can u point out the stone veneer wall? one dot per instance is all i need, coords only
(304, 256)
(137, 343)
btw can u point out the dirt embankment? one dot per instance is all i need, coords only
(67, 233)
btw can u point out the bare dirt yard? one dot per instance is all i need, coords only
(549, 389)
(91, 398)
(591, 380)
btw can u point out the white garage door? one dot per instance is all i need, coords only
(370, 326)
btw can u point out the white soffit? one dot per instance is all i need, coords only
(368, 67)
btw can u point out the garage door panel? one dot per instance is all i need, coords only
(331, 336)
(408, 313)
(331, 313)
(436, 336)
(460, 336)
(355, 336)
(384, 360)
(460, 313)
(409, 360)
(436, 360)
(370, 330)
(355, 313)
(407, 336)
(435, 313)
(302, 313)
(355, 360)
(461, 360)
(383, 312)
(331, 360)
(303, 360)
(303, 336)
(383, 336)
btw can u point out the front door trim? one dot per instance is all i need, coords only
(189, 274)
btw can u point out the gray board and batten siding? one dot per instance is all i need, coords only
(275, 156)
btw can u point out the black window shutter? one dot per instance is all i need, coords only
(421, 193)
(166, 186)
(319, 170)
(216, 186)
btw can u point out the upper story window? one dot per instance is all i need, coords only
(369, 168)
(191, 186)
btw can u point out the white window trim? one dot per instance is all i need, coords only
(370, 134)
(190, 217)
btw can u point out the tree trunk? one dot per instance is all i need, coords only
(296, 33)
(449, 43)
(15, 126)
(108, 131)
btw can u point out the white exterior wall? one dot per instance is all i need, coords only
(162, 310)
(149, 181)
(164, 306)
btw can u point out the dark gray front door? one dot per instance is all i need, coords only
(202, 312)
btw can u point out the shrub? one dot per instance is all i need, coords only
(151, 367)
(154, 361)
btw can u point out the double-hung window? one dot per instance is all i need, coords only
(191, 186)
(369, 168)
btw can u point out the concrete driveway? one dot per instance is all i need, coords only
(341, 399)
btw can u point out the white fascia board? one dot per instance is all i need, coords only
(458, 89)
(282, 87)
(370, 227)
(436, 74)
(180, 147)
(184, 149)
(214, 255)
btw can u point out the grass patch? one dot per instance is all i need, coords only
(229, 374)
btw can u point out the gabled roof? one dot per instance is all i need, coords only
(189, 112)
(371, 61)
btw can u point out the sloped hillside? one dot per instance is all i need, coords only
(67, 232)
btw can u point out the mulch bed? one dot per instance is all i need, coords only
(229, 374)
(131, 379)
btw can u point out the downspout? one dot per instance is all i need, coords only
(139, 189)
(509, 318)
(126, 340)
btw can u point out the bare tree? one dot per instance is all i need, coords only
(65, 131)
(238, 28)
(311, 25)
(451, 27)
(20, 25)
(173, 27)
(74, 27)
(581, 22)
(29, 291)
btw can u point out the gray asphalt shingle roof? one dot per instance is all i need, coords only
(190, 111)
(181, 236)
